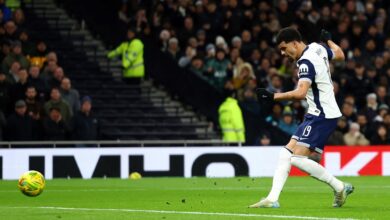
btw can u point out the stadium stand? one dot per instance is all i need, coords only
(125, 112)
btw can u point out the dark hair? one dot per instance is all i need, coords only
(288, 35)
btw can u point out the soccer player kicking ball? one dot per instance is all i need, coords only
(315, 84)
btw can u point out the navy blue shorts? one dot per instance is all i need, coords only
(314, 132)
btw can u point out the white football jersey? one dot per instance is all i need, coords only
(314, 67)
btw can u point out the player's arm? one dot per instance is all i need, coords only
(334, 51)
(338, 53)
(306, 77)
(297, 94)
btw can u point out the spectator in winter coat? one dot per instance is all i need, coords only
(70, 95)
(85, 125)
(354, 138)
(15, 55)
(19, 125)
(381, 137)
(57, 101)
(55, 128)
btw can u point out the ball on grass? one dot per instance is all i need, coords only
(135, 176)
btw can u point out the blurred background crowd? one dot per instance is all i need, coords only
(37, 101)
(231, 45)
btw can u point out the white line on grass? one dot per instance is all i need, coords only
(238, 188)
(181, 212)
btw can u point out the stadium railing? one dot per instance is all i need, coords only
(116, 143)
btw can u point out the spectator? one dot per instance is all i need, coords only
(231, 121)
(383, 109)
(348, 111)
(38, 55)
(19, 125)
(342, 125)
(285, 16)
(18, 90)
(131, 52)
(365, 126)
(34, 106)
(11, 31)
(243, 75)
(5, 47)
(187, 31)
(55, 127)
(287, 123)
(35, 111)
(201, 37)
(210, 52)
(298, 110)
(7, 13)
(12, 75)
(382, 95)
(56, 79)
(70, 95)
(173, 48)
(336, 139)
(51, 56)
(359, 85)
(27, 45)
(185, 60)
(197, 66)
(37, 82)
(85, 125)
(218, 68)
(48, 70)
(276, 84)
(57, 102)
(264, 139)
(4, 92)
(18, 18)
(221, 44)
(15, 55)
(236, 42)
(164, 38)
(354, 138)
(371, 107)
(247, 44)
(386, 121)
(276, 115)
(381, 136)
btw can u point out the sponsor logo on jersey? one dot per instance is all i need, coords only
(303, 70)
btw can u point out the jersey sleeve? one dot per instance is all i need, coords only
(329, 52)
(306, 70)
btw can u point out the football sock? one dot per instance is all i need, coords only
(317, 171)
(281, 174)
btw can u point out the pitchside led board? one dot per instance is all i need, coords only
(182, 161)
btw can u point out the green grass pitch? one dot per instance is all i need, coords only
(193, 198)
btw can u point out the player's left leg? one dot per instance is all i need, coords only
(300, 159)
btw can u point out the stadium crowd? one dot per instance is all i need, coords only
(230, 44)
(37, 100)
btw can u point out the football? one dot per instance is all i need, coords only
(135, 176)
(31, 183)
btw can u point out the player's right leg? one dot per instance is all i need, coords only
(281, 173)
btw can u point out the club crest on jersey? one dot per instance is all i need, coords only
(303, 69)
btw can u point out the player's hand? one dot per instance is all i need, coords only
(325, 36)
(264, 95)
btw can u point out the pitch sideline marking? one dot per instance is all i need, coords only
(181, 212)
